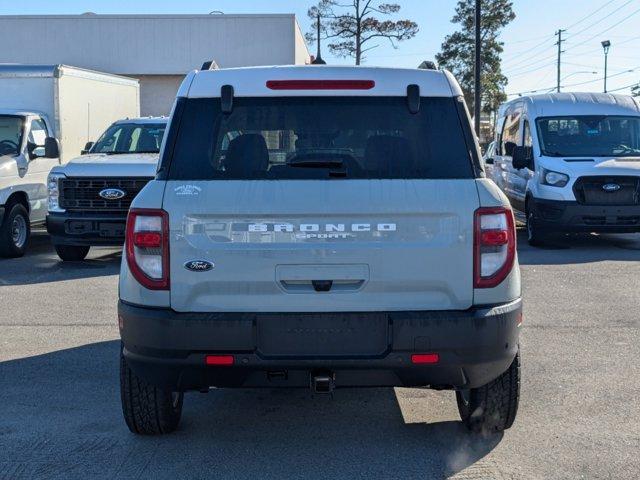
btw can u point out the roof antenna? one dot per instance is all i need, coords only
(318, 60)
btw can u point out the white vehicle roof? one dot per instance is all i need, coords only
(576, 103)
(252, 81)
(142, 120)
(19, 112)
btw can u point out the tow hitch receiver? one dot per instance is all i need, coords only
(323, 382)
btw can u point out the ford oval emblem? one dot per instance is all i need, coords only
(611, 187)
(112, 193)
(198, 266)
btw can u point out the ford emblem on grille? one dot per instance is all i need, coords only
(112, 193)
(611, 187)
(198, 265)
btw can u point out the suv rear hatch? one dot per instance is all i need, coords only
(320, 204)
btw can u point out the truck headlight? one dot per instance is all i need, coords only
(53, 187)
(554, 179)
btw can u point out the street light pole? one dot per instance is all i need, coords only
(478, 68)
(606, 44)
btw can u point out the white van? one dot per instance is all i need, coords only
(570, 162)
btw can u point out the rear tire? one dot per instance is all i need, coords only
(147, 410)
(493, 407)
(71, 253)
(15, 231)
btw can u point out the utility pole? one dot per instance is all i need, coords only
(560, 52)
(477, 97)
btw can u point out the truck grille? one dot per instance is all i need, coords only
(593, 190)
(84, 193)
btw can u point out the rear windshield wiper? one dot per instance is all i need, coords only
(315, 163)
(118, 152)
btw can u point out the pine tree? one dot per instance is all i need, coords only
(458, 50)
(354, 27)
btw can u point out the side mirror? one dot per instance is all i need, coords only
(488, 160)
(522, 158)
(86, 148)
(51, 148)
(508, 148)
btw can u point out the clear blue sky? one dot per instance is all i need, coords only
(529, 58)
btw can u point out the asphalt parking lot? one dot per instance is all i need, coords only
(579, 414)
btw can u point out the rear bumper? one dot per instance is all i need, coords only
(82, 229)
(168, 349)
(553, 215)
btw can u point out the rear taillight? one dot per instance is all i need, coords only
(494, 246)
(147, 247)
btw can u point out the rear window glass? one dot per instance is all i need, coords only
(319, 138)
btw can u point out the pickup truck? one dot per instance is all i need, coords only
(89, 197)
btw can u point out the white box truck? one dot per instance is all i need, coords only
(47, 114)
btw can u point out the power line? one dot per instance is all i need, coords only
(635, 12)
(632, 70)
(591, 14)
(600, 20)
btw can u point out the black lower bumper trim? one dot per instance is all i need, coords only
(554, 215)
(168, 349)
(82, 229)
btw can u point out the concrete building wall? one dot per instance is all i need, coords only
(157, 49)
(157, 93)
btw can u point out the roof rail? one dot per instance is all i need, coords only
(210, 65)
(427, 65)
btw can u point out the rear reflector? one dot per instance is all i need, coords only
(320, 84)
(425, 358)
(219, 360)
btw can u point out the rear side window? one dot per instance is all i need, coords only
(318, 138)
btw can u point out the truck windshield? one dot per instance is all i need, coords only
(10, 134)
(319, 138)
(124, 138)
(591, 135)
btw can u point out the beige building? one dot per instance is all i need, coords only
(156, 49)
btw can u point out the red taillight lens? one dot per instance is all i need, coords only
(220, 360)
(494, 246)
(425, 358)
(147, 240)
(147, 247)
(320, 84)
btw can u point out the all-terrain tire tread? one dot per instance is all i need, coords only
(493, 407)
(147, 410)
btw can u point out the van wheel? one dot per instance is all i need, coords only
(534, 236)
(71, 253)
(147, 410)
(492, 407)
(15, 231)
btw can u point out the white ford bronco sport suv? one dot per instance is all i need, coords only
(89, 197)
(319, 226)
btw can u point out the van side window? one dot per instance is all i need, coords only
(510, 130)
(36, 138)
(528, 142)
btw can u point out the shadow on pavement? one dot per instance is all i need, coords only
(42, 265)
(580, 248)
(61, 418)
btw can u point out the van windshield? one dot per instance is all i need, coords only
(319, 138)
(130, 138)
(10, 134)
(592, 135)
